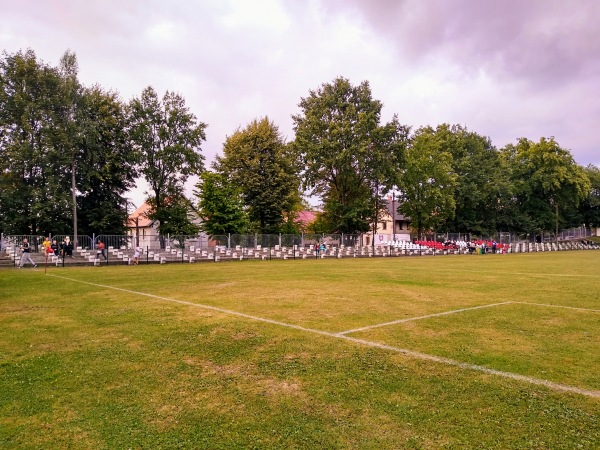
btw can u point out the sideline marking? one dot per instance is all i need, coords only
(410, 319)
(406, 352)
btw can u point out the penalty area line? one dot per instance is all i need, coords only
(547, 305)
(428, 316)
(409, 353)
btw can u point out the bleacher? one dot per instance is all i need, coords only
(191, 254)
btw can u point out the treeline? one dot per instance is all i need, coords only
(69, 153)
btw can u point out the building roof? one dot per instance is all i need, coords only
(140, 216)
(391, 204)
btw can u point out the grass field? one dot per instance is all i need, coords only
(424, 352)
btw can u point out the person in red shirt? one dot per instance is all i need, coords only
(101, 250)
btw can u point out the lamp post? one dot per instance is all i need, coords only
(556, 235)
(394, 216)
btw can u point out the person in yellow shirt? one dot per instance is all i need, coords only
(46, 244)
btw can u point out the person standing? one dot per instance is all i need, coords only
(63, 248)
(136, 256)
(26, 257)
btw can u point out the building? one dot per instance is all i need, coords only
(392, 226)
(142, 231)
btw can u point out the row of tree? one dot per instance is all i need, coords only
(70, 153)
(446, 179)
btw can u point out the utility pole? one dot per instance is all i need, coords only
(394, 215)
(556, 235)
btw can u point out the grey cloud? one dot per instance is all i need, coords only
(546, 42)
(538, 56)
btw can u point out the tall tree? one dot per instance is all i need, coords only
(220, 205)
(257, 160)
(344, 151)
(590, 207)
(34, 186)
(427, 182)
(167, 138)
(482, 186)
(67, 129)
(547, 183)
(106, 166)
(387, 156)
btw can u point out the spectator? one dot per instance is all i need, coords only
(66, 247)
(46, 245)
(69, 246)
(54, 247)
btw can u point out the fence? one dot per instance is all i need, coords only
(306, 240)
(255, 240)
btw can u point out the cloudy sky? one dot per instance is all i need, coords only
(503, 68)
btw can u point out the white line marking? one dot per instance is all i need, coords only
(451, 362)
(410, 319)
(410, 353)
(454, 311)
(558, 306)
(200, 305)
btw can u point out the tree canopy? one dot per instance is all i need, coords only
(69, 153)
(260, 164)
(63, 149)
(546, 180)
(220, 205)
(427, 182)
(167, 138)
(346, 156)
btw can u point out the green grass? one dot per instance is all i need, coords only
(82, 366)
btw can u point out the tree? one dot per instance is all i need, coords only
(220, 205)
(590, 207)
(167, 139)
(427, 182)
(64, 150)
(383, 162)
(482, 187)
(345, 154)
(67, 129)
(175, 216)
(34, 185)
(106, 167)
(257, 161)
(547, 181)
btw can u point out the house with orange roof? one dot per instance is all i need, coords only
(142, 231)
